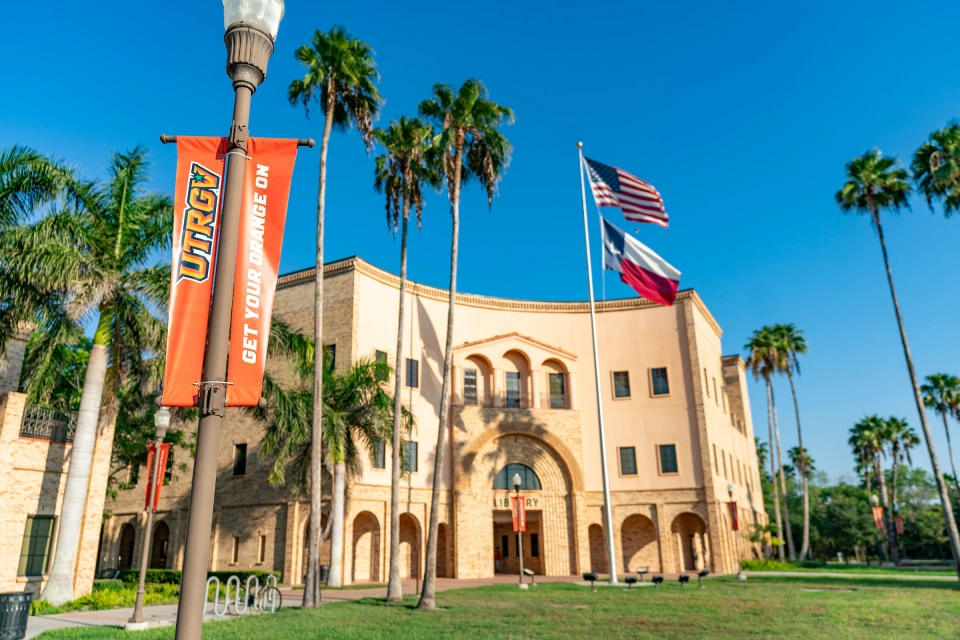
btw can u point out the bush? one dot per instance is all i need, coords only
(776, 565)
(111, 594)
(171, 576)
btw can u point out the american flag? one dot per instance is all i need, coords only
(637, 199)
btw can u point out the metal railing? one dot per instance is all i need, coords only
(512, 401)
(49, 424)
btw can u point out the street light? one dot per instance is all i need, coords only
(736, 538)
(161, 420)
(251, 29)
(516, 486)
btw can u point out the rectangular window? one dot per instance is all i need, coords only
(724, 456)
(331, 349)
(658, 382)
(668, 458)
(724, 398)
(469, 386)
(410, 457)
(621, 384)
(740, 472)
(380, 357)
(513, 389)
(558, 391)
(628, 461)
(534, 545)
(706, 381)
(413, 373)
(716, 463)
(239, 459)
(504, 546)
(262, 553)
(716, 396)
(379, 455)
(35, 550)
(235, 552)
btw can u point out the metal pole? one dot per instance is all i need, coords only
(137, 617)
(519, 536)
(607, 507)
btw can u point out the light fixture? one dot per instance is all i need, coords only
(251, 30)
(264, 14)
(161, 419)
(657, 580)
(516, 481)
(684, 579)
(730, 488)
(700, 576)
(592, 579)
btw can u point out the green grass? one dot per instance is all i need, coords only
(774, 565)
(762, 607)
(111, 594)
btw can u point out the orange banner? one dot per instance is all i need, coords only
(196, 221)
(734, 516)
(263, 212)
(161, 472)
(878, 517)
(519, 514)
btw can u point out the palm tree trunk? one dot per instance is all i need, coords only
(783, 481)
(394, 589)
(893, 552)
(953, 465)
(427, 594)
(335, 577)
(805, 543)
(918, 399)
(59, 588)
(311, 589)
(773, 473)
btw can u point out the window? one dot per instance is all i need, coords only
(659, 385)
(413, 373)
(528, 479)
(235, 552)
(716, 396)
(724, 398)
(262, 553)
(331, 349)
(668, 458)
(621, 384)
(239, 459)
(513, 389)
(133, 477)
(716, 463)
(706, 381)
(35, 550)
(379, 455)
(628, 461)
(383, 373)
(724, 456)
(504, 546)
(740, 472)
(558, 391)
(534, 545)
(469, 386)
(410, 457)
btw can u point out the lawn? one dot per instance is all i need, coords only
(762, 607)
(772, 565)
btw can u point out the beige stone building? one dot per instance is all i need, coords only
(678, 422)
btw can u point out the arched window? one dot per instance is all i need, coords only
(528, 479)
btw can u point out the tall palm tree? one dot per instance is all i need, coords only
(802, 462)
(876, 183)
(936, 168)
(869, 439)
(401, 172)
(792, 344)
(762, 452)
(467, 145)
(342, 77)
(763, 360)
(93, 261)
(901, 439)
(941, 392)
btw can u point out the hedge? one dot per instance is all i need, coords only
(776, 565)
(171, 576)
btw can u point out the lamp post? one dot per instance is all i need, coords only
(161, 420)
(251, 29)
(736, 538)
(516, 486)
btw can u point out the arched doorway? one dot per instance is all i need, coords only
(410, 546)
(305, 551)
(366, 548)
(128, 539)
(638, 540)
(598, 549)
(160, 546)
(688, 531)
(442, 551)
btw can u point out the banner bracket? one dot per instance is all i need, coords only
(301, 142)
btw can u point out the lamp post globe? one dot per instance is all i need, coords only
(265, 14)
(251, 29)
(516, 481)
(161, 420)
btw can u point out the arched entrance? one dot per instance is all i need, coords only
(442, 551)
(410, 546)
(688, 532)
(128, 539)
(638, 541)
(598, 549)
(366, 548)
(160, 546)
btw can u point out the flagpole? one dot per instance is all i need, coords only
(607, 506)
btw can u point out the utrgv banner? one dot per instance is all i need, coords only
(263, 212)
(196, 221)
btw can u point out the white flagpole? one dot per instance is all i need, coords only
(607, 507)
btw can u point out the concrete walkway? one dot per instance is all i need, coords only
(849, 574)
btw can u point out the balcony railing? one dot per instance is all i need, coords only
(48, 424)
(512, 401)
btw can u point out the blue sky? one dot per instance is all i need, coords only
(742, 114)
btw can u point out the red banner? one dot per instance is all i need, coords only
(734, 516)
(878, 517)
(898, 523)
(161, 472)
(263, 212)
(196, 222)
(519, 514)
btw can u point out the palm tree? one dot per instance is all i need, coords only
(875, 183)
(92, 260)
(791, 345)
(400, 174)
(936, 168)
(900, 438)
(762, 452)
(764, 359)
(467, 121)
(803, 463)
(341, 76)
(942, 393)
(869, 439)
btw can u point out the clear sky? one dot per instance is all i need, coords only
(742, 114)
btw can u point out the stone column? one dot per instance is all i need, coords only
(664, 538)
(457, 385)
(498, 387)
(291, 544)
(572, 391)
(535, 388)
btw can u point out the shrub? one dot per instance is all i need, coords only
(777, 565)
(172, 576)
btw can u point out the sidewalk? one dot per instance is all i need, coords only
(850, 574)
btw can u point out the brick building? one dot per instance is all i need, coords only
(678, 432)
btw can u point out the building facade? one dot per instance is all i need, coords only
(679, 440)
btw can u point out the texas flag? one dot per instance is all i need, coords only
(638, 266)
